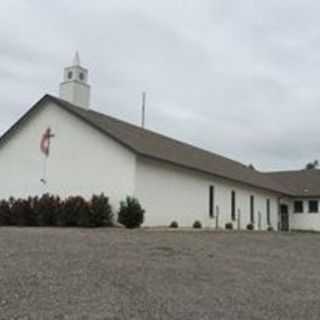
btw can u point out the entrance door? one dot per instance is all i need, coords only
(284, 218)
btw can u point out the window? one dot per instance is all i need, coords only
(233, 205)
(211, 201)
(252, 209)
(268, 213)
(298, 206)
(313, 206)
(81, 76)
(70, 75)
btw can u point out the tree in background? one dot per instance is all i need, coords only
(312, 165)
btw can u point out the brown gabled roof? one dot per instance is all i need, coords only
(153, 145)
(301, 183)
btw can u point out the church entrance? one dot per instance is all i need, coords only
(284, 217)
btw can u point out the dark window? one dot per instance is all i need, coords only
(252, 209)
(233, 205)
(298, 206)
(81, 76)
(313, 206)
(268, 213)
(70, 75)
(211, 201)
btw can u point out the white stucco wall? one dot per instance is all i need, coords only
(82, 160)
(305, 220)
(170, 193)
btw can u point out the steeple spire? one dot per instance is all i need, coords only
(74, 87)
(76, 59)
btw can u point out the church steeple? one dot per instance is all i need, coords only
(74, 87)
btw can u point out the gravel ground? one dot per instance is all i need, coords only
(120, 274)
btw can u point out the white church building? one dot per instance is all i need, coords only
(84, 152)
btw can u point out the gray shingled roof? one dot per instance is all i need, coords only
(150, 144)
(301, 183)
(153, 145)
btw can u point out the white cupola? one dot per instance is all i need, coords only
(74, 87)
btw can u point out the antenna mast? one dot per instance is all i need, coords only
(143, 115)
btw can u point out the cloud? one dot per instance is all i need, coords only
(235, 77)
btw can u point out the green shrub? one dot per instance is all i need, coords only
(131, 214)
(197, 225)
(101, 212)
(270, 228)
(22, 213)
(174, 225)
(250, 227)
(4, 213)
(75, 212)
(47, 209)
(84, 217)
(229, 226)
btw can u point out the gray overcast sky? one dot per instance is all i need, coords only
(240, 78)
